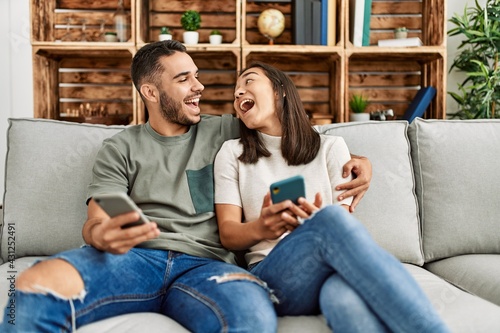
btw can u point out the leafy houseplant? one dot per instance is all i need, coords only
(215, 37)
(358, 104)
(479, 93)
(191, 22)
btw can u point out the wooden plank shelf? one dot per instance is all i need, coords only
(89, 81)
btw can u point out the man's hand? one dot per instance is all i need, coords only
(106, 234)
(361, 167)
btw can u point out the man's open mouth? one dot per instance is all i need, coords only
(193, 101)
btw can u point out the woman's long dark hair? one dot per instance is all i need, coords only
(300, 143)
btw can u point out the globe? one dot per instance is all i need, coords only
(271, 23)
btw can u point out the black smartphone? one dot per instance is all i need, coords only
(119, 203)
(288, 189)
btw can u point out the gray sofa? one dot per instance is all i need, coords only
(434, 203)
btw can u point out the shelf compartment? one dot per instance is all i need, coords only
(395, 86)
(62, 20)
(84, 86)
(215, 14)
(424, 19)
(317, 76)
(250, 16)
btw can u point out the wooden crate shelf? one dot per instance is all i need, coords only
(74, 85)
(63, 20)
(395, 86)
(424, 19)
(222, 15)
(69, 74)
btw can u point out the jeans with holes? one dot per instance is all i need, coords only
(331, 265)
(203, 295)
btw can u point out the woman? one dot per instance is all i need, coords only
(329, 264)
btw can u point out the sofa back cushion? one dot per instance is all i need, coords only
(458, 181)
(48, 168)
(389, 208)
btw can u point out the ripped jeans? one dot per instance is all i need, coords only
(203, 295)
(330, 264)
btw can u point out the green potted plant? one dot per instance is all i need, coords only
(215, 37)
(358, 104)
(191, 22)
(400, 32)
(478, 94)
(165, 34)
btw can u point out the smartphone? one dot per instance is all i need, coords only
(120, 203)
(288, 189)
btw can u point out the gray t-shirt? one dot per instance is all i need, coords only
(171, 180)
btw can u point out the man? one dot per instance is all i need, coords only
(175, 265)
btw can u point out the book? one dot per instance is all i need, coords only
(400, 42)
(324, 22)
(331, 38)
(366, 23)
(316, 22)
(420, 103)
(307, 22)
(299, 24)
(356, 21)
(360, 12)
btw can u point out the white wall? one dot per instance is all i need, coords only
(16, 83)
(16, 77)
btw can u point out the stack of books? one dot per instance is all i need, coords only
(314, 22)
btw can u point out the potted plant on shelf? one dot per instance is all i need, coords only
(191, 21)
(400, 33)
(358, 104)
(165, 34)
(478, 94)
(215, 37)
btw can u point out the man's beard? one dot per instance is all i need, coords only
(171, 111)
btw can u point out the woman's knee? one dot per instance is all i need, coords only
(54, 275)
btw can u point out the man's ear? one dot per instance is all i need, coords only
(150, 93)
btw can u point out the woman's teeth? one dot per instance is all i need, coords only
(246, 105)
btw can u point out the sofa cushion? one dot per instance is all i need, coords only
(461, 311)
(476, 273)
(457, 178)
(389, 208)
(48, 167)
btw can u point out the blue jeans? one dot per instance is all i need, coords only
(203, 295)
(331, 265)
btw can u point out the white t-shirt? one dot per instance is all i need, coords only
(245, 185)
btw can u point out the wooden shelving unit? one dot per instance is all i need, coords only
(89, 81)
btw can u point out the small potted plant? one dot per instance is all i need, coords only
(191, 22)
(358, 104)
(165, 34)
(400, 33)
(215, 37)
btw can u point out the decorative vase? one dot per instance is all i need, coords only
(359, 116)
(190, 37)
(164, 37)
(401, 34)
(215, 39)
(110, 37)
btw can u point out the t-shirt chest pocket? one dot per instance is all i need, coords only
(201, 188)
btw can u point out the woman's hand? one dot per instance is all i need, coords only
(276, 219)
(361, 167)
